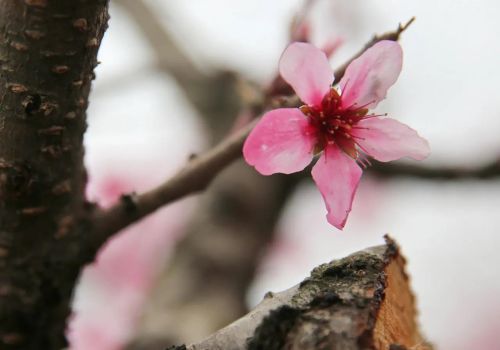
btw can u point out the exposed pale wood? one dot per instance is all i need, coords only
(396, 321)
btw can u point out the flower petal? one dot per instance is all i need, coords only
(337, 176)
(386, 139)
(307, 70)
(367, 78)
(282, 142)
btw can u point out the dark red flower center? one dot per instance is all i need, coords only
(332, 124)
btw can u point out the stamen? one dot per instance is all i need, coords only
(375, 115)
(358, 138)
(363, 159)
(360, 128)
(345, 87)
(360, 161)
(359, 107)
(306, 110)
(364, 154)
(361, 112)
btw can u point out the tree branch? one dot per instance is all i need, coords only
(393, 35)
(389, 170)
(195, 176)
(200, 171)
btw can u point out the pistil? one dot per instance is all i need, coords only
(332, 124)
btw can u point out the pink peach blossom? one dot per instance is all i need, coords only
(333, 123)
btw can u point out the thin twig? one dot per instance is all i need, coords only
(393, 35)
(194, 177)
(390, 170)
(300, 18)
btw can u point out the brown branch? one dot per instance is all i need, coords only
(393, 35)
(194, 177)
(390, 170)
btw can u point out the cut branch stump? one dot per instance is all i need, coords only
(361, 302)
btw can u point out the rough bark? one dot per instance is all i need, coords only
(361, 302)
(48, 51)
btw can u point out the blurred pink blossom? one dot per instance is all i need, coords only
(113, 289)
(336, 124)
(303, 33)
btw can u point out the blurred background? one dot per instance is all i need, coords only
(168, 87)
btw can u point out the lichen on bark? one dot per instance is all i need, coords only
(340, 292)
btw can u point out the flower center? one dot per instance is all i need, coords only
(332, 124)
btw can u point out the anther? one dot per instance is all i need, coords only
(306, 110)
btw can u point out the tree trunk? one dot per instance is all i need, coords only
(361, 302)
(48, 51)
